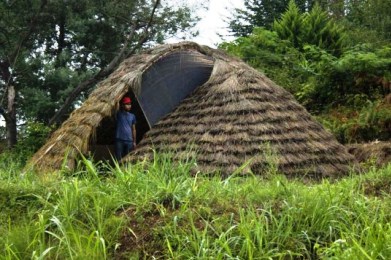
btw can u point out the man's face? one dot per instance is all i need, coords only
(127, 106)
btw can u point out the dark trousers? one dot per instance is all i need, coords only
(122, 148)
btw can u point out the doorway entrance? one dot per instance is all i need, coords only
(102, 144)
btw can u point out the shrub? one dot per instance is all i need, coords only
(31, 137)
(369, 123)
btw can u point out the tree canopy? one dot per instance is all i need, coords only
(54, 52)
(262, 13)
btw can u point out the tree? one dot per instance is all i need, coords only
(291, 27)
(322, 31)
(261, 13)
(136, 32)
(54, 52)
(299, 47)
(335, 8)
(19, 25)
(370, 15)
(314, 27)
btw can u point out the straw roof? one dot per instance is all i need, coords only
(237, 115)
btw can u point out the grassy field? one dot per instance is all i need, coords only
(157, 210)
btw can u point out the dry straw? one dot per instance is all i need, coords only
(236, 116)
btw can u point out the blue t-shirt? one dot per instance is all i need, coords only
(125, 121)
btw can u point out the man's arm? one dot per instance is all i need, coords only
(134, 134)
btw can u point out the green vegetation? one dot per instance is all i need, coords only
(160, 209)
(157, 209)
(341, 79)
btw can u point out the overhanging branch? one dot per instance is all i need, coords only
(104, 72)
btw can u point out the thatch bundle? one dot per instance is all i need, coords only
(236, 116)
(378, 151)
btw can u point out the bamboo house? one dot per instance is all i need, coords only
(186, 94)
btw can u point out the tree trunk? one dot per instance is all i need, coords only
(11, 133)
(10, 118)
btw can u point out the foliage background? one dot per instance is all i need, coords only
(340, 78)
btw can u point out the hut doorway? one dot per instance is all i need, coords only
(102, 144)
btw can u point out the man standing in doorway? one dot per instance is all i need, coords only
(125, 133)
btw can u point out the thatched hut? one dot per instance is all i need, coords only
(190, 94)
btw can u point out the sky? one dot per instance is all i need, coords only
(213, 20)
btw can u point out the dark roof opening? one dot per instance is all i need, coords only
(170, 80)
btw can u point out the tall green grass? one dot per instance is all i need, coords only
(158, 209)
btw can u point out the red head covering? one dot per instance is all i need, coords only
(126, 100)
